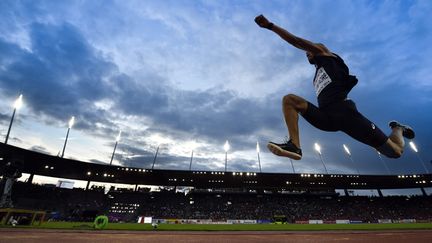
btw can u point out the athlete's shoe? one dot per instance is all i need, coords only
(407, 131)
(287, 149)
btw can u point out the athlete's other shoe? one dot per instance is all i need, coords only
(407, 131)
(287, 149)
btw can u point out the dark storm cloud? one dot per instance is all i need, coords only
(4, 118)
(64, 75)
(60, 77)
(217, 115)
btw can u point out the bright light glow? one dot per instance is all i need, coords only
(18, 102)
(347, 150)
(226, 146)
(191, 145)
(257, 147)
(318, 148)
(160, 139)
(413, 146)
(71, 122)
(118, 137)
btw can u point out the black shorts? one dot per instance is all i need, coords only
(343, 116)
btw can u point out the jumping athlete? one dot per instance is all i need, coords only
(335, 112)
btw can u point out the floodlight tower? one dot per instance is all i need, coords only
(156, 154)
(193, 147)
(414, 148)
(382, 160)
(115, 147)
(292, 165)
(258, 153)
(348, 152)
(190, 164)
(318, 149)
(71, 123)
(17, 105)
(226, 148)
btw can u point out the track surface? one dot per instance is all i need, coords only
(69, 236)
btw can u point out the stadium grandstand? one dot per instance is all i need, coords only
(188, 196)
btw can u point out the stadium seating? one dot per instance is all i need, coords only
(126, 205)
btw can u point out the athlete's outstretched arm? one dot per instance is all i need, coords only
(296, 41)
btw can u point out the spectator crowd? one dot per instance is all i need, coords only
(126, 205)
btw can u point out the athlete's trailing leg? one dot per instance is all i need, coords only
(393, 148)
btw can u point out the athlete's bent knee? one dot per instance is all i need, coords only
(292, 100)
(289, 100)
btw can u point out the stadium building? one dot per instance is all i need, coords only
(204, 196)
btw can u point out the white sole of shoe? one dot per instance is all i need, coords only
(280, 152)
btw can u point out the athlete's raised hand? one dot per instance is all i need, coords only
(263, 22)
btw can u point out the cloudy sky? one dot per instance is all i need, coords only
(189, 75)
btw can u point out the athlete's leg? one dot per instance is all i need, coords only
(393, 147)
(395, 143)
(292, 105)
(363, 130)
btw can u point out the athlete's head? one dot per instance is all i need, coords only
(321, 48)
(310, 57)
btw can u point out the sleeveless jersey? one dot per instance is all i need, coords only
(332, 81)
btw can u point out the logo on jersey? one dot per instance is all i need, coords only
(373, 126)
(321, 80)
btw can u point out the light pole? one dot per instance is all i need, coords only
(318, 149)
(190, 164)
(156, 154)
(258, 153)
(17, 105)
(71, 123)
(414, 148)
(385, 165)
(349, 155)
(226, 148)
(115, 146)
(193, 147)
(292, 165)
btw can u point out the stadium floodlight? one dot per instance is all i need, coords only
(226, 148)
(258, 153)
(414, 148)
(346, 149)
(118, 136)
(115, 146)
(318, 149)
(348, 152)
(71, 123)
(17, 105)
(18, 102)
